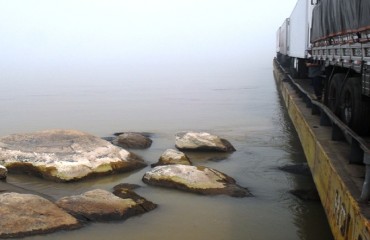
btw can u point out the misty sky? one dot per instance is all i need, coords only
(44, 34)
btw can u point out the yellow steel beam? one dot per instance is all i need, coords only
(346, 216)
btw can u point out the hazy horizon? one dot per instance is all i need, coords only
(80, 35)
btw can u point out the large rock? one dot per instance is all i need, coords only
(3, 172)
(199, 179)
(100, 205)
(64, 155)
(27, 214)
(202, 141)
(171, 156)
(132, 140)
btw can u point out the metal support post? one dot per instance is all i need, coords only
(324, 119)
(315, 110)
(357, 154)
(337, 133)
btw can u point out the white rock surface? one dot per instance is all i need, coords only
(64, 155)
(172, 156)
(196, 179)
(202, 141)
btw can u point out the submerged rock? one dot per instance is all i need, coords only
(199, 179)
(128, 186)
(64, 155)
(100, 205)
(202, 141)
(306, 194)
(300, 169)
(3, 172)
(28, 214)
(132, 140)
(171, 156)
(126, 191)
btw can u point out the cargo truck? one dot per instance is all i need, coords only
(336, 35)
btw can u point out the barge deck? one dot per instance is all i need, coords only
(335, 158)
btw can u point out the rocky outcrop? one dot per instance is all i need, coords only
(3, 172)
(171, 156)
(64, 155)
(202, 141)
(201, 180)
(101, 205)
(28, 214)
(132, 140)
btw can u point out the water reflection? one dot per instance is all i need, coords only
(106, 70)
(253, 120)
(308, 216)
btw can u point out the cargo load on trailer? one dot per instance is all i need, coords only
(334, 34)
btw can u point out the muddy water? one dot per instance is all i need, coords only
(247, 111)
(160, 67)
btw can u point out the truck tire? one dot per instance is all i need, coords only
(334, 92)
(354, 111)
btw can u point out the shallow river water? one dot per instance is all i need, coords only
(160, 67)
(246, 110)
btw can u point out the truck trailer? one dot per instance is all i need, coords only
(336, 35)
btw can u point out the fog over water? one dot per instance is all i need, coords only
(161, 67)
(59, 55)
